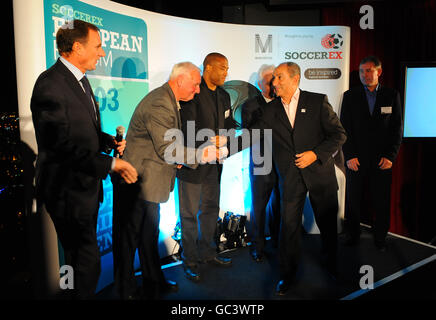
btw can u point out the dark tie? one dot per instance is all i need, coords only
(88, 91)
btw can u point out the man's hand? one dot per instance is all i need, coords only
(353, 164)
(126, 170)
(305, 159)
(120, 146)
(219, 141)
(385, 163)
(223, 152)
(210, 154)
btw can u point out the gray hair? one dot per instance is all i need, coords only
(264, 68)
(182, 68)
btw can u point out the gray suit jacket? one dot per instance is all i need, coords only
(151, 148)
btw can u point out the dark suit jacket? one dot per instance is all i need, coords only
(371, 137)
(70, 165)
(251, 111)
(207, 114)
(316, 128)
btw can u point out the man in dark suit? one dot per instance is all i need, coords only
(306, 132)
(199, 189)
(70, 166)
(265, 197)
(154, 151)
(372, 116)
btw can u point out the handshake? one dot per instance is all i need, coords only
(216, 151)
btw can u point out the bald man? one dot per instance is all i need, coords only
(199, 189)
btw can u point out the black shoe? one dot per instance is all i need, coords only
(191, 274)
(130, 297)
(381, 246)
(220, 261)
(282, 287)
(351, 241)
(169, 286)
(257, 256)
(332, 271)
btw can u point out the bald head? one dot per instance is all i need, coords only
(215, 68)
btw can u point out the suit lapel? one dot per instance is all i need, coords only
(95, 111)
(80, 94)
(302, 104)
(220, 110)
(378, 102)
(282, 126)
(174, 104)
(281, 115)
(364, 105)
(212, 114)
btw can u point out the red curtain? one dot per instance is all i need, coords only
(403, 31)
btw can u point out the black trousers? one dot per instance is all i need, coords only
(76, 228)
(199, 211)
(325, 207)
(135, 226)
(376, 184)
(265, 200)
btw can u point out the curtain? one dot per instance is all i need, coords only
(404, 31)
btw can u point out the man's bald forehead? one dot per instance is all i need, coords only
(213, 57)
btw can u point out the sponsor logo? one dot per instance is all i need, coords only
(322, 73)
(329, 41)
(332, 41)
(313, 55)
(263, 47)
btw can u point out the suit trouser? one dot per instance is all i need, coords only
(199, 210)
(377, 183)
(265, 197)
(76, 228)
(325, 207)
(136, 226)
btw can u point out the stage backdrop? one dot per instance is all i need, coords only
(141, 47)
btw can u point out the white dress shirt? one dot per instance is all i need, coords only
(291, 108)
(267, 99)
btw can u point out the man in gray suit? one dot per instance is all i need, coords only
(156, 154)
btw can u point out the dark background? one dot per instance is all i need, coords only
(404, 31)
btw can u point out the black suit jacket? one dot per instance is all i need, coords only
(316, 128)
(251, 111)
(207, 113)
(70, 166)
(371, 137)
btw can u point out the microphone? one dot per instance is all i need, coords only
(119, 137)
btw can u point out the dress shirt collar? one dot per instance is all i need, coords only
(74, 70)
(294, 98)
(267, 99)
(372, 92)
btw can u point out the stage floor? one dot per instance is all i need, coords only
(404, 271)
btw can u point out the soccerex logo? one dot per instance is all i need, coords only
(332, 41)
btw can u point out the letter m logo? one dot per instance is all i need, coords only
(261, 47)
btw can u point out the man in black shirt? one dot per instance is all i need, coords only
(199, 189)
